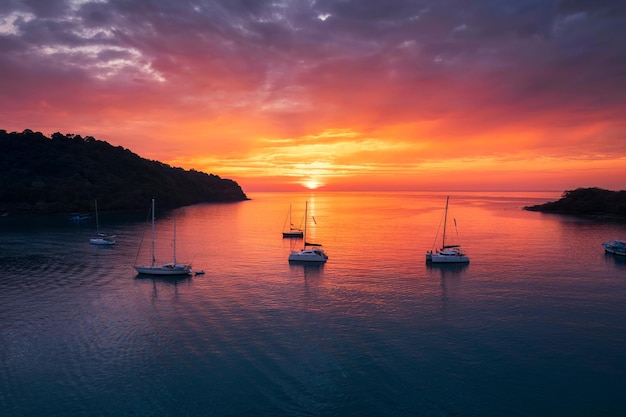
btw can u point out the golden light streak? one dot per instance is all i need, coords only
(312, 184)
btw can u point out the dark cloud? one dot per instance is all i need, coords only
(45, 8)
(601, 7)
(411, 56)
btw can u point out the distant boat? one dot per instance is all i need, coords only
(170, 268)
(78, 217)
(292, 231)
(447, 253)
(616, 247)
(101, 238)
(311, 252)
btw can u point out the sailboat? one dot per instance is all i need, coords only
(170, 268)
(447, 253)
(616, 247)
(293, 231)
(101, 238)
(311, 252)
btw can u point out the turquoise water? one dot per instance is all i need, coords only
(535, 325)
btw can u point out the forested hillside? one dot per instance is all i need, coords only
(587, 201)
(66, 173)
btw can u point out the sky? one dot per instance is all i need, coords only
(497, 95)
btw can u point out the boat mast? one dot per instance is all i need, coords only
(97, 223)
(306, 207)
(174, 240)
(445, 220)
(153, 260)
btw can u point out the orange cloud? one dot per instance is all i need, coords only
(330, 93)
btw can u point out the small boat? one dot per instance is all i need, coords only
(311, 252)
(447, 253)
(101, 239)
(615, 247)
(170, 268)
(292, 232)
(78, 217)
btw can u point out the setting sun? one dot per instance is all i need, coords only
(312, 184)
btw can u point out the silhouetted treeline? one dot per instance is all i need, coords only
(66, 173)
(587, 201)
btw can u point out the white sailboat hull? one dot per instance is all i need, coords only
(440, 258)
(167, 269)
(308, 255)
(102, 241)
(294, 233)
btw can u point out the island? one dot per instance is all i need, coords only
(591, 201)
(66, 173)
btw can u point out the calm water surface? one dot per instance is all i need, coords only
(535, 325)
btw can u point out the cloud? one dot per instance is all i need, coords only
(404, 72)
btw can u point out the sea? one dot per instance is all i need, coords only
(534, 325)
